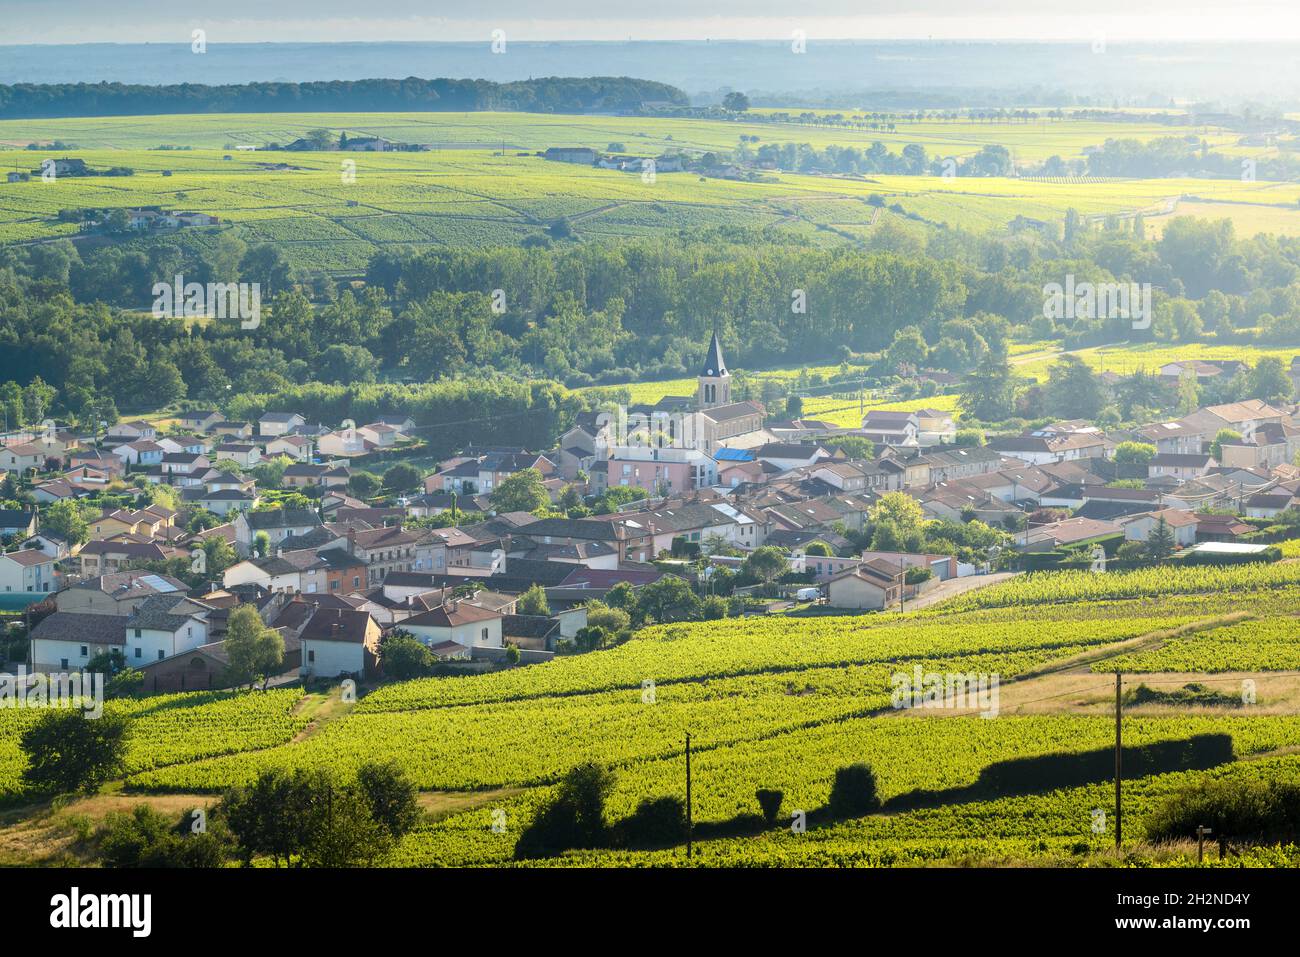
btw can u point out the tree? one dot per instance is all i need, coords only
(521, 492)
(68, 751)
(404, 656)
(765, 564)
(573, 817)
(591, 637)
(1072, 390)
(854, 792)
(668, 599)
(402, 478)
(1160, 543)
(67, 518)
(364, 484)
(1231, 436)
(391, 796)
(857, 447)
(818, 548)
(735, 102)
(254, 650)
(989, 391)
(533, 602)
(1134, 453)
(1269, 380)
(262, 544)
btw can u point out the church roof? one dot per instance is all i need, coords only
(714, 364)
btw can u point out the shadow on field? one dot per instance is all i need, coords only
(1050, 772)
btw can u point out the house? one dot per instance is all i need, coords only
(233, 430)
(243, 454)
(344, 443)
(1269, 504)
(117, 593)
(467, 625)
(57, 490)
(934, 427)
(1070, 532)
(886, 427)
(1220, 528)
(580, 155)
(124, 432)
(277, 523)
(67, 641)
(383, 550)
(384, 436)
(872, 585)
(219, 501)
(24, 457)
(27, 571)
(1183, 525)
(296, 447)
(786, 456)
(1183, 467)
(339, 641)
(660, 471)
(98, 557)
(279, 423)
(1042, 449)
(482, 473)
(17, 523)
(140, 452)
(200, 421)
(165, 625)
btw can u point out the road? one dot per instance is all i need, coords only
(955, 586)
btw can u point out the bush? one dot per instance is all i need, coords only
(147, 838)
(854, 792)
(769, 802)
(1235, 810)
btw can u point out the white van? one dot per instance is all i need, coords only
(808, 594)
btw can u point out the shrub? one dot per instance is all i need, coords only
(146, 838)
(1234, 810)
(854, 792)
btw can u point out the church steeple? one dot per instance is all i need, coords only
(715, 380)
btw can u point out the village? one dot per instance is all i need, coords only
(139, 543)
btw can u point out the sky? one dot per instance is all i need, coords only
(172, 21)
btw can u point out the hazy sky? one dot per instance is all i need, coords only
(125, 21)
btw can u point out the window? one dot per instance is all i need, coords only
(84, 651)
(485, 634)
(160, 654)
(64, 664)
(137, 633)
(311, 656)
(137, 653)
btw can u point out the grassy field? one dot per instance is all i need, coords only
(478, 187)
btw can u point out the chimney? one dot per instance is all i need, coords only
(352, 541)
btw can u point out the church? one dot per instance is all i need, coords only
(702, 423)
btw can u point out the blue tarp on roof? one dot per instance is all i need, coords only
(734, 455)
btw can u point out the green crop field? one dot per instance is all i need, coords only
(781, 702)
(482, 186)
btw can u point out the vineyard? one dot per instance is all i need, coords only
(782, 702)
(482, 184)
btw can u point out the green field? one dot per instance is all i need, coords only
(481, 186)
(782, 702)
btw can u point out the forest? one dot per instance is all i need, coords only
(540, 95)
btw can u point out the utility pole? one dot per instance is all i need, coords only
(690, 826)
(1118, 762)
